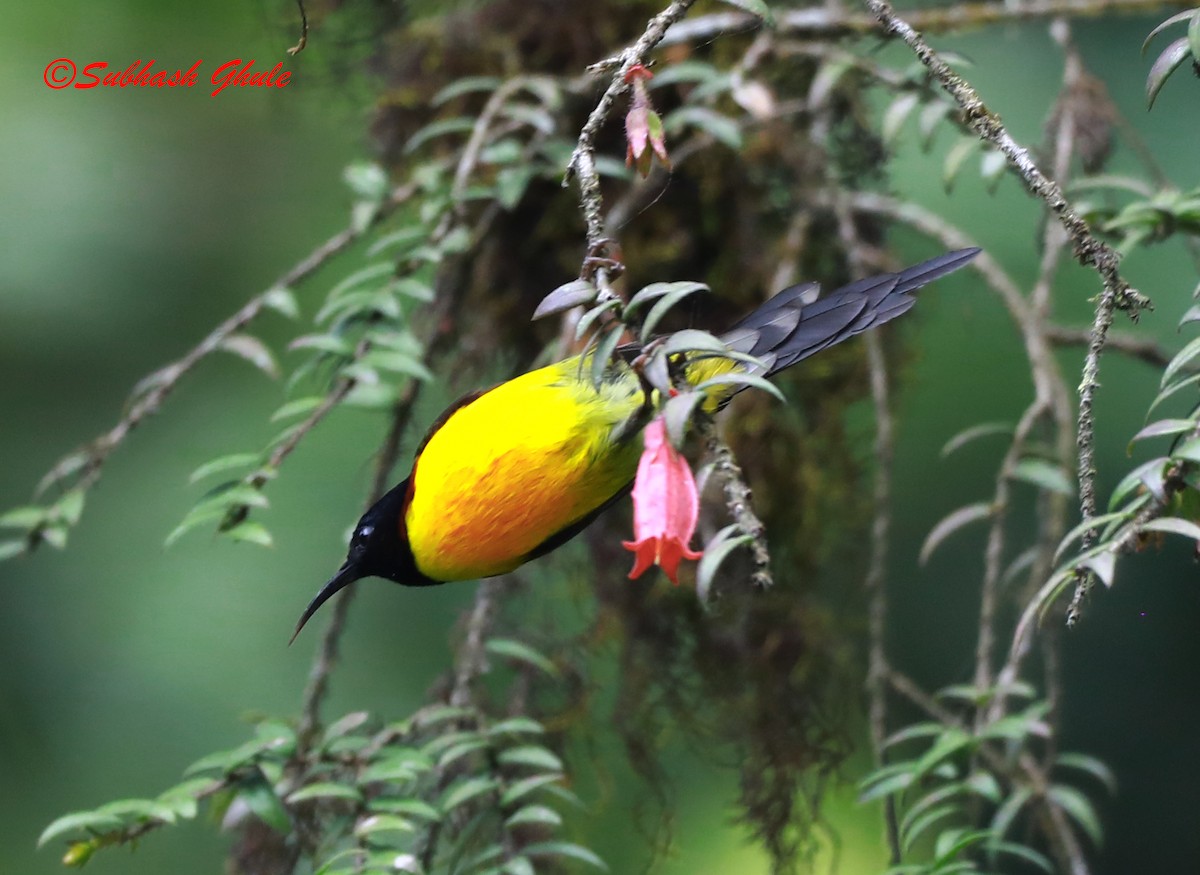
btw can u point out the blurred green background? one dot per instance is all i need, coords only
(134, 220)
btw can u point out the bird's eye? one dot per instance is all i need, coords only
(361, 535)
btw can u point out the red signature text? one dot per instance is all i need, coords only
(63, 73)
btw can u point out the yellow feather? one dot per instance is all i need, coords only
(518, 465)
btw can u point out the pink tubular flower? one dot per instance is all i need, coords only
(665, 506)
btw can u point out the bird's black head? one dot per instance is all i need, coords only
(378, 548)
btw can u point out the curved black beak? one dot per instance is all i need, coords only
(346, 575)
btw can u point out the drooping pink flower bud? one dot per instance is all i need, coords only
(643, 126)
(665, 506)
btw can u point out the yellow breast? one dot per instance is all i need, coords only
(516, 466)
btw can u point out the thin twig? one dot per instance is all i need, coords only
(830, 22)
(1139, 348)
(299, 46)
(141, 406)
(737, 499)
(583, 159)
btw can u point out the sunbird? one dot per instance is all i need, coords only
(508, 474)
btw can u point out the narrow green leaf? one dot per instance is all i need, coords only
(251, 532)
(377, 823)
(1092, 766)
(975, 432)
(677, 415)
(465, 85)
(440, 128)
(412, 807)
(573, 294)
(1175, 526)
(518, 790)
(517, 726)
(534, 814)
(464, 791)
(921, 824)
(715, 551)
(282, 300)
(260, 798)
(1029, 855)
(1007, 813)
(738, 378)
(253, 350)
(664, 303)
(950, 524)
(90, 821)
(325, 790)
(1102, 562)
(28, 517)
(508, 648)
(1093, 523)
(531, 756)
(1080, 809)
(908, 733)
(566, 850)
(1181, 360)
(895, 782)
(1044, 475)
(1167, 63)
(222, 464)
(602, 357)
(897, 113)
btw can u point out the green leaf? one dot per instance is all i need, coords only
(1044, 475)
(441, 128)
(1164, 427)
(1167, 63)
(508, 648)
(1102, 562)
(566, 850)
(605, 347)
(738, 378)
(10, 549)
(464, 791)
(325, 790)
(222, 464)
(1007, 813)
(955, 159)
(534, 814)
(919, 825)
(282, 300)
(90, 821)
(909, 733)
(950, 524)
(412, 807)
(897, 113)
(576, 293)
(952, 741)
(694, 340)
(1137, 477)
(1181, 360)
(518, 790)
(518, 866)
(665, 302)
(466, 85)
(531, 756)
(1093, 523)
(1170, 390)
(182, 798)
(715, 551)
(720, 127)
(887, 781)
(252, 350)
(329, 343)
(376, 823)
(460, 750)
(251, 532)
(586, 320)
(1029, 855)
(677, 415)
(366, 179)
(29, 517)
(517, 726)
(975, 432)
(1175, 526)
(260, 798)
(1092, 766)
(1080, 809)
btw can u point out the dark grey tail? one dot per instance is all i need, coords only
(797, 322)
